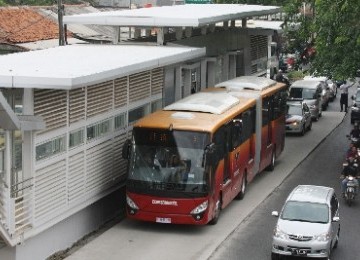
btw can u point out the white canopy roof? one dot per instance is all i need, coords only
(191, 15)
(73, 66)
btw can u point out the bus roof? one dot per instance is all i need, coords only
(206, 116)
(250, 86)
(247, 82)
(208, 102)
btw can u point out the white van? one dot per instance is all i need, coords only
(308, 224)
(310, 91)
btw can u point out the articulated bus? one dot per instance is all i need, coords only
(191, 159)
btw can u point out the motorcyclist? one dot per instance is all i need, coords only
(280, 77)
(352, 152)
(355, 135)
(355, 132)
(351, 168)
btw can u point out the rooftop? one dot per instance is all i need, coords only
(192, 15)
(24, 24)
(72, 66)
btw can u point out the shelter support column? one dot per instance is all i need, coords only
(203, 70)
(178, 83)
(187, 82)
(211, 71)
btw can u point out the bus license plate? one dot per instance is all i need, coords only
(163, 220)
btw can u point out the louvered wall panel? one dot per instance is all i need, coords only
(76, 179)
(52, 106)
(76, 105)
(99, 98)
(157, 81)
(120, 164)
(120, 92)
(50, 189)
(259, 46)
(99, 168)
(139, 85)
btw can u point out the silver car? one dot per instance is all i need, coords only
(298, 117)
(308, 224)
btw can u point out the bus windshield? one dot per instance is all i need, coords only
(163, 160)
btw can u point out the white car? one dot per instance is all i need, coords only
(308, 224)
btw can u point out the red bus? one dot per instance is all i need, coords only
(191, 159)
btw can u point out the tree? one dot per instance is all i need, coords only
(337, 37)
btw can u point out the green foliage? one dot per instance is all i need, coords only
(295, 75)
(337, 28)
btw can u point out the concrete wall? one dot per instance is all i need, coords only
(64, 234)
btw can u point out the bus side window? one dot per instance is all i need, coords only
(236, 133)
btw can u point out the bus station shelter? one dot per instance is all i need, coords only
(65, 112)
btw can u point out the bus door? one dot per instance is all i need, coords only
(267, 145)
(236, 155)
(223, 138)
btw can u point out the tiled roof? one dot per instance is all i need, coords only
(24, 24)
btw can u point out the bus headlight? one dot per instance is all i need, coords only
(198, 212)
(133, 208)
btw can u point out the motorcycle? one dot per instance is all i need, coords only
(354, 140)
(352, 182)
(350, 191)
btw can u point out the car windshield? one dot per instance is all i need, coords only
(304, 93)
(357, 99)
(305, 212)
(294, 110)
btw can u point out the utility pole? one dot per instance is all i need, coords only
(60, 22)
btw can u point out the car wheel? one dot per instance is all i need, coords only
(337, 239)
(274, 256)
(217, 213)
(303, 130)
(310, 125)
(241, 194)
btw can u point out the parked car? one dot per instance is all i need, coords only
(355, 108)
(298, 117)
(308, 224)
(326, 92)
(310, 91)
(333, 89)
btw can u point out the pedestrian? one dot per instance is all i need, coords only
(344, 96)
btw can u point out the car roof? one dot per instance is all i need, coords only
(294, 103)
(319, 78)
(311, 193)
(305, 84)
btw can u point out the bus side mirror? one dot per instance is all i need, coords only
(208, 153)
(126, 149)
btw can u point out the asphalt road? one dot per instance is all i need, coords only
(252, 239)
(239, 224)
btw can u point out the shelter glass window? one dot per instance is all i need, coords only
(76, 138)
(98, 130)
(120, 121)
(139, 112)
(50, 148)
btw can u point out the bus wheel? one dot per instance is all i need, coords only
(217, 213)
(241, 194)
(271, 166)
